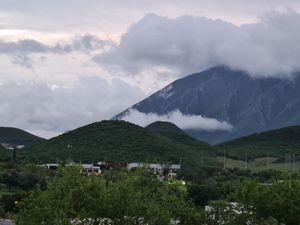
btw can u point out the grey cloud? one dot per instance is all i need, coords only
(51, 109)
(23, 60)
(117, 14)
(189, 44)
(85, 43)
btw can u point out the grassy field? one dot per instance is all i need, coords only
(2, 193)
(259, 164)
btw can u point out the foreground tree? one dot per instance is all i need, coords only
(118, 198)
(279, 199)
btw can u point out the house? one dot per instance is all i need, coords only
(90, 170)
(7, 146)
(158, 169)
(20, 146)
(51, 166)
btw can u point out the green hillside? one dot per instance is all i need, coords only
(276, 143)
(119, 141)
(164, 127)
(17, 136)
(5, 154)
(173, 132)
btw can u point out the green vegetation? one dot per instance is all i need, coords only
(15, 183)
(260, 164)
(17, 136)
(120, 198)
(165, 127)
(120, 141)
(5, 154)
(276, 143)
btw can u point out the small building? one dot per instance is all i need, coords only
(158, 169)
(20, 146)
(51, 166)
(174, 169)
(90, 170)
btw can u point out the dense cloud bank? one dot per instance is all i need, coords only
(186, 122)
(189, 44)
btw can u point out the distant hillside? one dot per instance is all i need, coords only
(276, 143)
(5, 154)
(118, 141)
(17, 136)
(173, 132)
(164, 127)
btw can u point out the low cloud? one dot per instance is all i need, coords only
(48, 110)
(187, 44)
(186, 122)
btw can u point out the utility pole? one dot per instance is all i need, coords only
(268, 161)
(224, 163)
(289, 161)
(202, 160)
(15, 155)
(284, 161)
(246, 160)
(293, 164)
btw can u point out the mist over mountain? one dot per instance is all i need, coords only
(227, 96)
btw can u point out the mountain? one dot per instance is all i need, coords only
(118, 141)
(250, 105)
(15, 136)
(276, 143)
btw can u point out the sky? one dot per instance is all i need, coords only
(67, 63)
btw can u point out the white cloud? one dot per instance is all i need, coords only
(52, 109)
(186, 122)
(190, 44)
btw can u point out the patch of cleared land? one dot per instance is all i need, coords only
(260, 164)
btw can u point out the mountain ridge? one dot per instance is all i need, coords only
(250, 104)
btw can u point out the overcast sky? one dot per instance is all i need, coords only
(66, 63)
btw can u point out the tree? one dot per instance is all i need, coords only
(120, 198)
(279, 199)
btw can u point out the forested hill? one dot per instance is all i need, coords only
(119, 141)
(165, 127)
(170, 130)
(276, 143)
(17, 136)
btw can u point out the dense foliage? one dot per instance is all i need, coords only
(117, 198)
(164, 127)
(119, 141)
(17, 136)
(16, 181)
